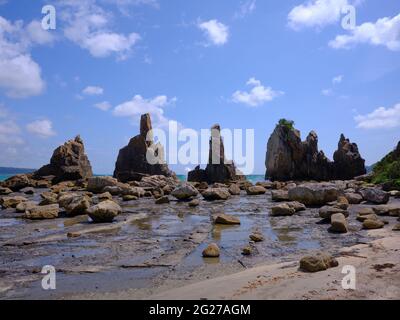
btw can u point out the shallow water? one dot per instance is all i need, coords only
(150, 243)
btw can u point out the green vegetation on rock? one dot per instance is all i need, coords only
(286, 123)
(388, 169)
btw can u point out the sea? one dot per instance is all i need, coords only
(252, 178)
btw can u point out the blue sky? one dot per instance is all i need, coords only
(241, 63)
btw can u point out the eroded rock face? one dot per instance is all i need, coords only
(132, 163)
(68, 163)
(219, 169)
(289, 158)
(348, 162)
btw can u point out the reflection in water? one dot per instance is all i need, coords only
(219, 228)
(284, 235)
(75, 220)
(143, 224)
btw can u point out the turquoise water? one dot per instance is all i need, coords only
(252, 178)
(5, 176)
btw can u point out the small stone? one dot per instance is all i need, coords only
(212, 251)
(105, 211)
(396, 227)
(367, 217)
(11, 202)
(327, 211)
(194, 203)
(42, 212)
(373, 224)
(282, 209)
(184, 192)
(129, 197)
(213, 194)
(28, 190)
(162, 200)
(256, 190)
(226, 219)
(256, 237)
(365, 211)
(280, 195)
(234, 189)
(318, 262)
(246, 251)
(338, 223)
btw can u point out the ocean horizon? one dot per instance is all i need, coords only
(254, 178)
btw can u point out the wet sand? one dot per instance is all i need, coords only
(152, 250)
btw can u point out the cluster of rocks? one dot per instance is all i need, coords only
(289, 158)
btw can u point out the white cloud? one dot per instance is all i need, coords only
(104, 106)
(88, 25)
(41, 128)
(9, 130)
(93, 91)
(138, 105)
(338, 79)
(20, 75)
(317, 13)
(246, 7)
(380, 118)
(37, 34)
(257, 96)
(384, 32)
(327, 92)
(216, 32)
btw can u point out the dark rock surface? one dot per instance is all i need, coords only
(289, 158)
(132, 164)
(218, 169)
(68, 163)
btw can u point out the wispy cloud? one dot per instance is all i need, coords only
(381, 118)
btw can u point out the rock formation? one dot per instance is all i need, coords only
(218, 168)
(132, 163)
(289, 158)
(348, 161)
(68, 163)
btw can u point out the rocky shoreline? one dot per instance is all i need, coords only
(143, 233)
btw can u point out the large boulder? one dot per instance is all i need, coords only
(290, 158)
(218, 169)
(314, 194)
(132, 162)
(68, 163)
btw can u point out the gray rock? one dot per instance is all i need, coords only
(375, 195)
(105, 211)
(212, 194)
(339, 223)
(184, 192)
(42, 212)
